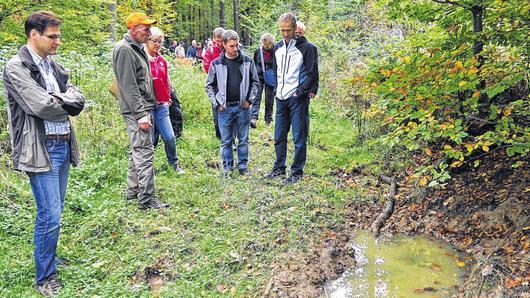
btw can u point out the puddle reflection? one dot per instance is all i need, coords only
(403, 267)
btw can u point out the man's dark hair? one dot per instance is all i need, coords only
(40, 20)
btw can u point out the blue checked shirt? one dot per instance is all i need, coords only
(52, 128)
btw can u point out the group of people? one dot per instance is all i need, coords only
(41, 100)
(287, 71)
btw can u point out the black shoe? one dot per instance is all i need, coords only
(152, 204)
(50, 287)
(274, 174)
(177, 168)
(292, 179)
(244, 172)
(254, 123)
(131, 198)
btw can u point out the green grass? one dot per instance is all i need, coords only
(215, 233)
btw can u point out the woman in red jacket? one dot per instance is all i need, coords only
(162, 88)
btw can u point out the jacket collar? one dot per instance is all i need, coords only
(27, 59)
(238, 59)
(130, 40)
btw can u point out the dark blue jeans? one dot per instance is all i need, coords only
(49, 190)
(291, 112)
(162, 126)
(236, 120)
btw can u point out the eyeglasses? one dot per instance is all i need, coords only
(157, 41)
(53, 36)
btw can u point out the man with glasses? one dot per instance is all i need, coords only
(137, 100)
(40, 100)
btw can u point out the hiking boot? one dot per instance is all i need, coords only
(274, 174)
(244, 172)
(177, 168)
(130, 198)
(152, 204)
(292, 179)
(254, 123)
(50, 287)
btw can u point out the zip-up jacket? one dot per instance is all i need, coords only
(29, 104)
(218, 74)
(135, 83)
(296, 66)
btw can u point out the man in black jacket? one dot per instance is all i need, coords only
(296, 65)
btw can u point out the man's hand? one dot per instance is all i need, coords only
(220, 108)
(246, 104)
(144, 123)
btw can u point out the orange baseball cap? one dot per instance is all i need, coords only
(138, 18)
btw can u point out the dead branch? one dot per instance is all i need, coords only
(389, 205)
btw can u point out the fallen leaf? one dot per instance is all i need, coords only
(436, 266)
(487, 270)
(512, 283)
(222, 288)
(460, 264)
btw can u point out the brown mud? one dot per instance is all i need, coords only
(483, 212)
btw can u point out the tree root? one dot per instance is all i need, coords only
(389, 205)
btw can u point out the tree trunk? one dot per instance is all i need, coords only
(236, 16)
(113, 21)
(222, 20)
(212, 16)
(190, 23)
(478, 18)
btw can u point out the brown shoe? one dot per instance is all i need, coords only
(50, 287)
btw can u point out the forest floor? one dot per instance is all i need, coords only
(482, 212)
(246, 236)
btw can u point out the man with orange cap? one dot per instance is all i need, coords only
(137, 100)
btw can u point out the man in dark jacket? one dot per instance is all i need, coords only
(40, 99)
(231, 85)
(264, 60)
(296, 64)
(137, 100)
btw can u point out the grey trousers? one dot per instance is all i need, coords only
(141, 174)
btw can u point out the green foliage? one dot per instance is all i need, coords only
(430, 90)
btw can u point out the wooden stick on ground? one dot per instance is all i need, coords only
(389, 205)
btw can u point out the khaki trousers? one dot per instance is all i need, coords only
(141, 174)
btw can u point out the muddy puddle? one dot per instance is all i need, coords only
(402, 267)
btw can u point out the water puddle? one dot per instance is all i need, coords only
(402, 267)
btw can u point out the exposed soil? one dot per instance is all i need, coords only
(483, 212)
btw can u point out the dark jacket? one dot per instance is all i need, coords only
(135, 83)
(296, 66)
(218, 74)
(29, 104)
(268, 63)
